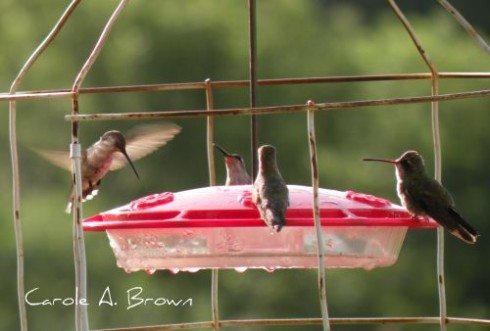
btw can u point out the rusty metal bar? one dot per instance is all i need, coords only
(34, 95)
(306, 321)
(19, 240)
(252, 26)
(63, 93)
(273, 109)
(469, 321)
(212, 182)
(210, 133)
(466, 25)
(315, 183)
(437, 158)
(98, 46)
(411, 33)
(15, 157)
(81, 314)
(166, 327)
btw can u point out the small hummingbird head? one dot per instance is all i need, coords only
(231, 160)
(267, 157)
(118, 142)
(236, 172)
(114, 138)
(410, 163)
(234, 161)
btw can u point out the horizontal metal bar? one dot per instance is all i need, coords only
(469, 321)
(34, 95)
(60, 93)
(272, 109)
(306, 321)
(166, 327)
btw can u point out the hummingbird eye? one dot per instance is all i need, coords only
(406, 164)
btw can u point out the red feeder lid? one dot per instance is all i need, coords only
(232, 206)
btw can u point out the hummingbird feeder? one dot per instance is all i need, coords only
(220, 227)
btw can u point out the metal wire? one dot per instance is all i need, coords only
(307, 321)
(465, 24)
(65, 93)
(81, 314)
(19, 240)
(212, 182)
(273, 109)
(315, 183)
(437, 158)
(15, 157)
(252, 26)
(210, 133)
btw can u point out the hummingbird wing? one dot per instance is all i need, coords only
(58, 158)
(143, 140)
(449, 218)
(437, 203)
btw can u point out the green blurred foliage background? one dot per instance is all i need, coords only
(182, 41)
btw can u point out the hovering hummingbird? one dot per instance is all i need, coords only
(422, 195)
(111, 152)
(236, 173)
(270, 193)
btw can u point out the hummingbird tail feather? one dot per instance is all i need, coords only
(274, 219)
(463, 230)
(464, 236)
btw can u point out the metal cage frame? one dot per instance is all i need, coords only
(310, 107)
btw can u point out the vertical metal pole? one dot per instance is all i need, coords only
(315, 181)
(15, 158)
(437, 158)
(212, 182)
(81, 315)
(436, 138)
(210, 133)
(19, 241)
(252, 26)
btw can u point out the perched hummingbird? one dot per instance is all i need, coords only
(236, 173)
(111, 152)
(422, 195)
(270, 193)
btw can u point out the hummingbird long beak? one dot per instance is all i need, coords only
(221, 149)
(382, 160)
(130, 162)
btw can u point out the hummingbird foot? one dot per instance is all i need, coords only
(420, 219)
(68, 207)
(91, 195)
